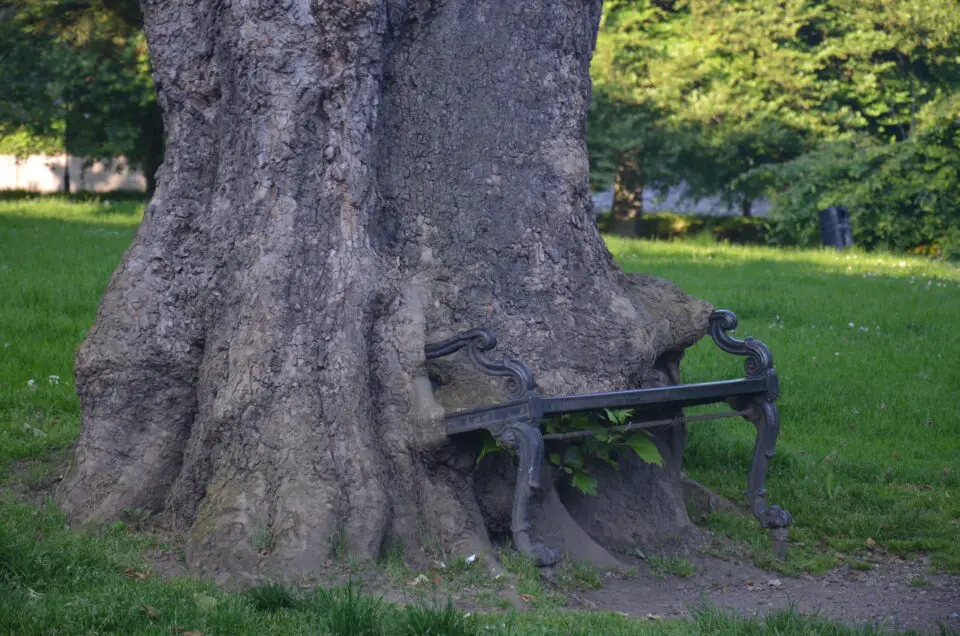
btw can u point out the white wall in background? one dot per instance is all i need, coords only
(678, 202)
(44, 173)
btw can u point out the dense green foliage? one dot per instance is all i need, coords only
(738, 97)
(904, 196)
(710, 229)
(77, 79)
(809, 102)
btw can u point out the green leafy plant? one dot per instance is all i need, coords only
(575, 457)
(490, 445)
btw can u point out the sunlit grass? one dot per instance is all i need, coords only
(821, 261)
(867, 349)
(101, 211)
(55, 262)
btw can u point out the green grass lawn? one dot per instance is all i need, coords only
(865, 345)
(868, 352)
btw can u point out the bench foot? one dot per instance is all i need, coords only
(527, 440)
(765, 416)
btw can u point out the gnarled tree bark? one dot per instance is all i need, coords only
(345, 182)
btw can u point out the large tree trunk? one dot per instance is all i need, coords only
(344, 183)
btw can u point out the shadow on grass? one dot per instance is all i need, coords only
(75, 197)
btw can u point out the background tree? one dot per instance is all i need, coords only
(31, 66)
(630, 148)
(345, 182)
(726, 74)
(904, 195)
(895, 65)
(81, 70)
(883, 60)
(756, 84)
(632, 145)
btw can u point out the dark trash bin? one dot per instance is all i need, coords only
(835, 227)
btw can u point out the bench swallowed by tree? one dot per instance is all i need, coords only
(516, 423)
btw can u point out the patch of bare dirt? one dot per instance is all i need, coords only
(896, 594)
(166, 562)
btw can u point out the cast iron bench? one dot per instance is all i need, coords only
(516, 422)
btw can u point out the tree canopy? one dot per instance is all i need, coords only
(77, 76)
(720, 95)
(727, 87)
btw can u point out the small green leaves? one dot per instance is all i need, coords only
(584, 482)
(618, 417)
(490, 445)
(606, 445)
(645, 449)
(573, 457)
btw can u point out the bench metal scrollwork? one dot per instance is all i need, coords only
(516, 422)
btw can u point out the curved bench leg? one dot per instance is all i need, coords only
(766, 417)
(526, 439)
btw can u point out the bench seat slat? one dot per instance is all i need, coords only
(660, 397)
